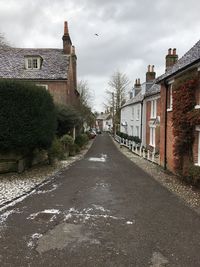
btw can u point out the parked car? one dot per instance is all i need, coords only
(92, 134)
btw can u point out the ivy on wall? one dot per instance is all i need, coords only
(184, 117)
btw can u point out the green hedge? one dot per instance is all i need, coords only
(27, 117)
(67, 119)
(136, 139)
(81, 140)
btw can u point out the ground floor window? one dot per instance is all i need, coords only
(152, 136)
(132, 130)
(137, 131)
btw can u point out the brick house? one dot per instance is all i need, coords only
(175, 69)
(152, 107)
(104, 122)
(55, 69)
(133, 112)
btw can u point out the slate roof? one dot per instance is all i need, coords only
(155, 89)
(137, 99)
(191, 57)
(55, 64)
(105, 116)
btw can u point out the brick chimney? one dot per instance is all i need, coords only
(136, 88)
(150, 74)
(171, 58)
(74, 58)
(66, 40)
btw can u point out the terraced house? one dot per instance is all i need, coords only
(55, 69)
(180, 111)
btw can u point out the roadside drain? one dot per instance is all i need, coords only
(62, 235)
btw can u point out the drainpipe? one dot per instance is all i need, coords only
(141, 122)
(165, 145)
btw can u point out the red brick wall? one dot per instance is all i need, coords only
(169, 133)
(59, 90)
(64, 92)
(162, 123)
(148, 114)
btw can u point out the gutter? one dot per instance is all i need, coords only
(141, 121)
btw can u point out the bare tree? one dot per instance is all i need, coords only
(116, 94)
(85, 93)
(85, 103)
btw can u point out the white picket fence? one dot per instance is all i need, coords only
(139, 150)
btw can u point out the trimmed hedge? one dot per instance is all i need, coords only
(27, 117)
(136, 139)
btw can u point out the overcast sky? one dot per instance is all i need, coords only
(132, 33)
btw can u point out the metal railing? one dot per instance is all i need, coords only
(139, 150)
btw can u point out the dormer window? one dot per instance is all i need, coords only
(33, 62)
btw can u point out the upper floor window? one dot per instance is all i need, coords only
(132, 112)
(153, 109)
(138, 113)
(197, 98)
(169, 98)
(33, 63)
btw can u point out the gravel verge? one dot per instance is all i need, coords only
(14, 185)
(189, 194)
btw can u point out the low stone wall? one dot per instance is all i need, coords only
(13, 162)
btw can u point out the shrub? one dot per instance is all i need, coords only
(66, 141)
(81, 140)
(193, 175)
(27, 117)
(73, 149)
(67, 119)
(56, 150)
(136, 139)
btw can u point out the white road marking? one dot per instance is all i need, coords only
(158, 260)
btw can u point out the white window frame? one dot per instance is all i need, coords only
(170, 88)
(131, 130)
(138, 113)
(198, 130)
(153, 109)
(29, 65)
(152, 136)
(199, 150)
(42, 85)
(137, 130)
(132, 112)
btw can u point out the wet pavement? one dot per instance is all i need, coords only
(103, 211)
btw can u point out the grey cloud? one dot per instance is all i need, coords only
(132, 33)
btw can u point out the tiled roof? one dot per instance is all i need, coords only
(191, 57)
(105, 116)
(55, 64)
(155, 89)
(138, 98)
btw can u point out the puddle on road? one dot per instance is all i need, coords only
(62, 235)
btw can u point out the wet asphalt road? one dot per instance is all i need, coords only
(101, 211)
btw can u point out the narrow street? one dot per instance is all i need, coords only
(103, 211)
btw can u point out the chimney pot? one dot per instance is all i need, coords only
(149, 68)
(174, 51)
(169, 51)
(66, 31)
